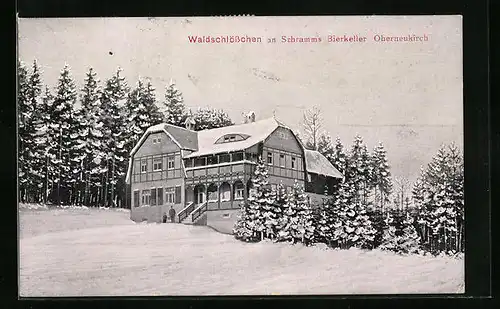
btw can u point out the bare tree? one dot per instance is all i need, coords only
(312, 124)
(403, 186)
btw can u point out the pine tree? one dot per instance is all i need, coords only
(325, 146)
(25, 114)
(44, 147)
(338, 158)
(409, 240)
(142, 112)
(61, 128)
(252, 219)
(114, 157)
(92, 137)
(381, 176)
(175, 112)
(353, 226)
(390, 239)
(208, 118)
(300, 217)
(281, 234)
(359, 170)
(326, 217)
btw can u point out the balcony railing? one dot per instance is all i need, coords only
(186, 211)
(199, 211)
(219, 169)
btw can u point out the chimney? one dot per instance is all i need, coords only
(250, 117)
(190, 123)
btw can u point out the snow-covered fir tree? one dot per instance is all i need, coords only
(339, 158)
(409, 240)
(325, 146)
(93, 139)
(325, 218)
(440, 196)
(281, 197)
(114, 158)
(359, 170)
(62, 128)
(44, 144)
(390, 239)
(30, 99)
(209, 118)
(353, 227)
(381, 176)
(300, 227)
(142, 112)
(252, 220)
(175, 110)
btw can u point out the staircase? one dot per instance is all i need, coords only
(192, 212)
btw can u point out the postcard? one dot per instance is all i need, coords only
(195, 156)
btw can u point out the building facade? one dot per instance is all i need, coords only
(205, 175)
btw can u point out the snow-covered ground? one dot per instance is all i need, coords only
(88, 252)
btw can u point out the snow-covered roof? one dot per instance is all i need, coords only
(258, 132)
(319, 164)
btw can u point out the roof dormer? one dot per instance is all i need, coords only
(229, 138)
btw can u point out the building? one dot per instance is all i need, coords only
(205, 175)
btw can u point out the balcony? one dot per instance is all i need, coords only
(220, 172)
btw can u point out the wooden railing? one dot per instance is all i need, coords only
(208, 171)
(186, 211)
(199, 211)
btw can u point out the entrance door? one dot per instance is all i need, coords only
(201, 197)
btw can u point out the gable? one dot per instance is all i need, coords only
(155, 144)
(283, 138)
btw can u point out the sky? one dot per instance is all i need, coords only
(407, 95)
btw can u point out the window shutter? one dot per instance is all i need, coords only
(136, 198)
(153, 197)
(160, 196)
(177, 195)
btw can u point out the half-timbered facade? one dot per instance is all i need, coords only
(205, 175)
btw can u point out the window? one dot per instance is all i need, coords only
(178, 195)
(212, 193)
(238, 156)
(212, 160)
(157, 164)
(170, 195)
(293, 162)
(223, 158)
(282, 160)
(160, 196)
(170, 163)
(188, 162)
(200, 161)
(153, 197)
(238, 191)
(156, 140)
(225, 192)
(270, 158)
(136, 198)
(144, 166)
(146, 195)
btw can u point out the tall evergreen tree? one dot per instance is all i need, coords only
(175, 112)
(300, 224)
(62, 129)
(381, 176)
(252, 221)
(358, 170)
(325, 146)
(44, 148)
(208, 118)
(25, 112)
(114, 161)
(142, 112)
(93, 139)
